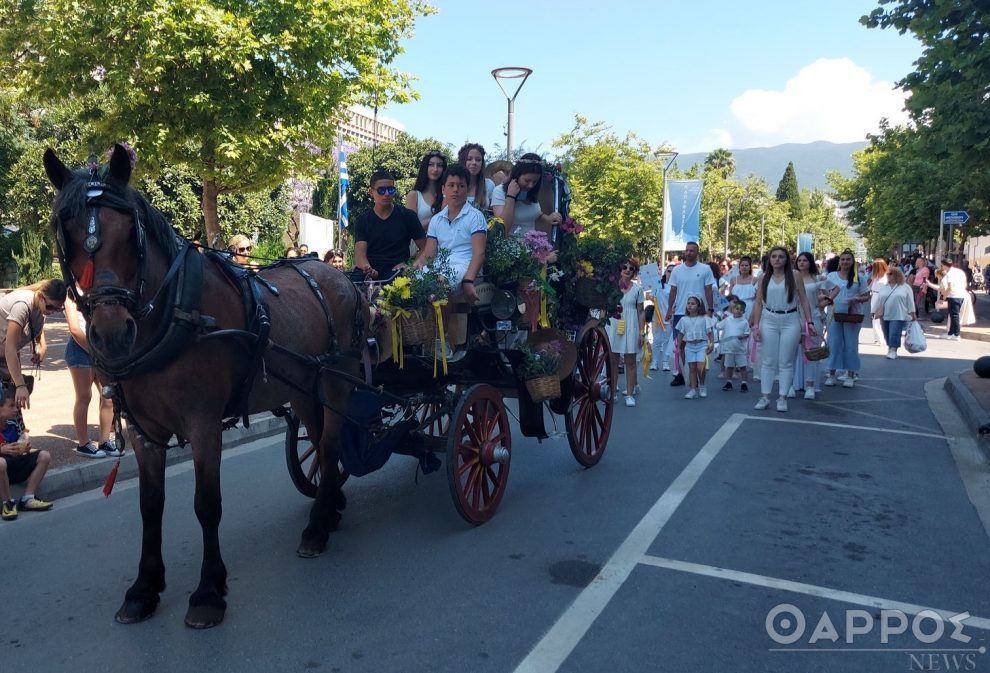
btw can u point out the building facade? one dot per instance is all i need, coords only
(363, 129)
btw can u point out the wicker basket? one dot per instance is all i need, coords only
(587, 294)
(419, 328)
(543, 388)
(817, 353)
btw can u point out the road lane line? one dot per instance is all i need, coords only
(844, 426)
(877, 416)
(558, 643)
(889, 392)
(806, 589)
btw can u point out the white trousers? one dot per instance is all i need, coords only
(780, 335)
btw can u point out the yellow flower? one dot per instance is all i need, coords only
(405, 293)
(585, 269)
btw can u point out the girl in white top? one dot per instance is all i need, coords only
(697, 341)
(879, 289)
(848, 290)
(815, 289)
(743, 285)
(425, 193)
(516, 200)
(781, 305)
(897, 310)
(480, 188)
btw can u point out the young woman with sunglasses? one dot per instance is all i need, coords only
(241, 247)
(22, 317)
(425, 194)
(626, 333)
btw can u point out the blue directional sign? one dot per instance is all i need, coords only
(955, 217)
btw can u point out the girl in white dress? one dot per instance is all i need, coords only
(425, 193)
(697, 341)
(626, 333)
(815, 285)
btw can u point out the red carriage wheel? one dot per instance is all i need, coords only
(479, 447)
(439, 426)
(302, 458)
(589, 416)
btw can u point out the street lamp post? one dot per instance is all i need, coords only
(725, 254)
(508, 73)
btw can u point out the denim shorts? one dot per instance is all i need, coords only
(76, 355)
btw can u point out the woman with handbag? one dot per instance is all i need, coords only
(849, 292)
(879, 289)
(815, 287)
(896, 311)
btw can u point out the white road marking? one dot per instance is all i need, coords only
(844, 426)
(807, 589)
(889, 392)
(548, 654)
(835, 402)
(885, 419)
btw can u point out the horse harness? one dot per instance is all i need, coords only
(181, 290)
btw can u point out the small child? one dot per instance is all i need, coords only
(18, 462)
(733, 344)
(697, 341)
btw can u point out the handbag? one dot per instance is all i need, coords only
(855, 318)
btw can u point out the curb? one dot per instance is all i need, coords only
(972, 412)
(71, 479)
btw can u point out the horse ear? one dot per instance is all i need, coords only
(56, 170)
(120, 164)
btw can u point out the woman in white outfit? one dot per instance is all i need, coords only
(480, 188)
(814, 286)
(663, 340)
(425, 193)
(879, 289)
(897, 310)
(780, 306)
(625, 334)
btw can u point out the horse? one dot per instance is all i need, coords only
(184, 339)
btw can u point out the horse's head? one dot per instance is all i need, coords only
(102, 248)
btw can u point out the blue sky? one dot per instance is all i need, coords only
(697, 74)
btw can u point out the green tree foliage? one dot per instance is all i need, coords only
(788, 192)
(245, 93)
(402, 158)
(616, 183)
(722, 162)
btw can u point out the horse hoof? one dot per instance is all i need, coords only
(132, 612)
(206, 615)
(310, 549)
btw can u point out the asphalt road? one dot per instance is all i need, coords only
(701, 519)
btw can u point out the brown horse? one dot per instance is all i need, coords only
(186, 339)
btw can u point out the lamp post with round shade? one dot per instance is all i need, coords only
(506, 74)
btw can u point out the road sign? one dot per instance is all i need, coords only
(955, 217)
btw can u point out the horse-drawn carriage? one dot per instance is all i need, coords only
(183, 339)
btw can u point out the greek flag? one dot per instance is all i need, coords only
(342, 208)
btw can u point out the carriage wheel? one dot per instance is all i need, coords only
(479, 446)
(589, 417)
(440, 426)
(303, 459)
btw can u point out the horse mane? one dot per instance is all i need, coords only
(72, 202)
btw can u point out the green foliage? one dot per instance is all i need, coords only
(402, 158)
(720, 162)
(788, 192)
(616, 183)
(543, 360)
(244, 93)
(508, 260)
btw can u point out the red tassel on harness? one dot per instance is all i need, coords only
(86, 282)
(111, 480)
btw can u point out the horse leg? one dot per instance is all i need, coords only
(324, 515)
(142, 597)
(207, 605)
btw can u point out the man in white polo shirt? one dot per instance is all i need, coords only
(687, 279)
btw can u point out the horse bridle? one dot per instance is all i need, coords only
(99, 195)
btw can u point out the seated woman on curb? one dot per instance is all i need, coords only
(461, 230)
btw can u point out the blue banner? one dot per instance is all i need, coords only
(681, 213)
(806, 243)
(342, 208)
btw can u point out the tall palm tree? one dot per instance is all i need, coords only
(721, 161)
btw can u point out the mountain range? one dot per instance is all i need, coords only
(811, 162)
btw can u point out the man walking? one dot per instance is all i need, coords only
(688, 278)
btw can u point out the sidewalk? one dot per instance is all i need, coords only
(49, 421)
(971, 393)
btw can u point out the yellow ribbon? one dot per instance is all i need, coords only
(441, 336)
(647, 359)
(544, 317)
(398, 353)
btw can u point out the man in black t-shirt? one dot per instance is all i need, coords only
(382, 234)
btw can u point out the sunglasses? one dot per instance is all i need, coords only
(52, 307)
(247, 249)
(628, 267)
(382, 191)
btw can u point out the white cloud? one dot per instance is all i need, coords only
(830, 99)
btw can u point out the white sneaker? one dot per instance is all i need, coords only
(848, 383)
(809, 393)
(630, 401)
(791, 393)
(782, 405)
(702, 391)
(721, 375)
(666, 366)
(691, 394)
(762, 403)
(830, 381)
(653, 367)
(891, 354)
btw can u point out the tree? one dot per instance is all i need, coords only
(720, 161)
(246, 93)
(788, 192)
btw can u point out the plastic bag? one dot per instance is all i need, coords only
(915, 341)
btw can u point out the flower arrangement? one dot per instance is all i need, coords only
(539, 245)
(541, 361)
(509, 260)
(418, 289)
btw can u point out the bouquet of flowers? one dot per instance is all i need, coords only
(509, 260)
(597, 270)
(411, 300)
(539, 245)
